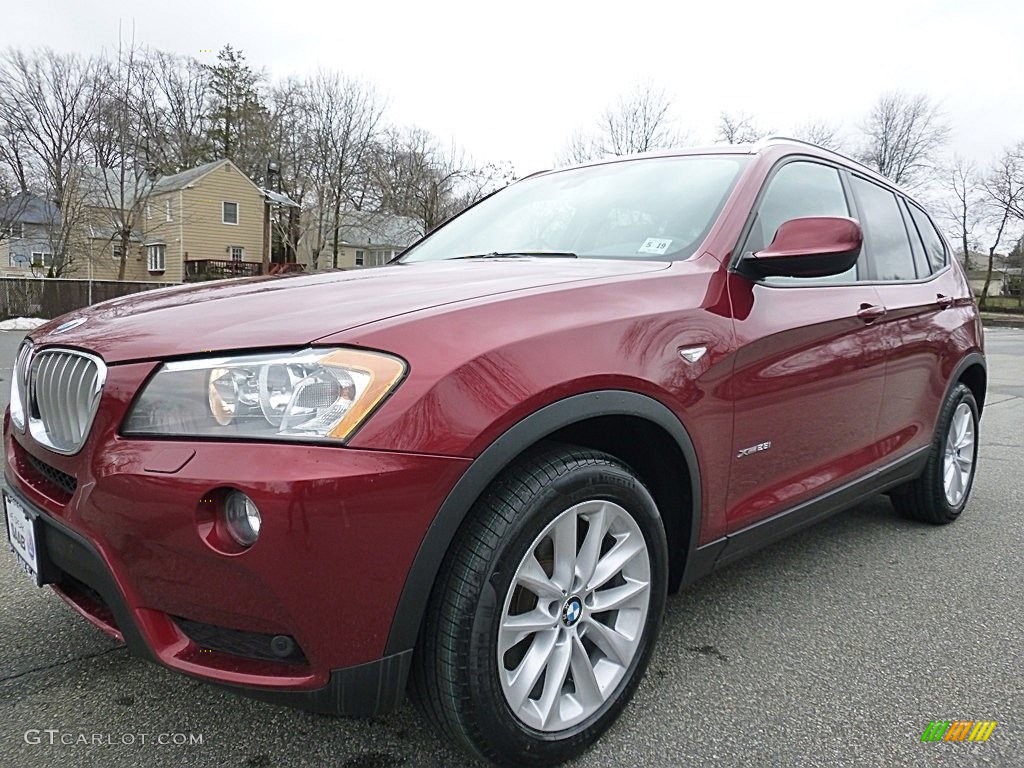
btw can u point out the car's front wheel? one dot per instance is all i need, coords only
(546, 611)
(940, 494)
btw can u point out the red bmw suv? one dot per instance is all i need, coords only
(477, 472)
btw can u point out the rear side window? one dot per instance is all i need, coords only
(799, 189)
(884, 231)
(920, 259)
(933, 246)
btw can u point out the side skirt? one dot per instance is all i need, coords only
(737, 545)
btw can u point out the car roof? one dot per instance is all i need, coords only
(779, 146)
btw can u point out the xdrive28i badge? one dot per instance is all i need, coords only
(754, 449)
(68, 325)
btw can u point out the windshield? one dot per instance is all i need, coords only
(658, 208)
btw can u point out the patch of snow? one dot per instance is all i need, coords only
(21, 323)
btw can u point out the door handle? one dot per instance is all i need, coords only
(870, 312)
(944, 302)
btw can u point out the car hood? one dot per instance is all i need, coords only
(297, 310)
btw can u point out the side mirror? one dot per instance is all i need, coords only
(813, 246)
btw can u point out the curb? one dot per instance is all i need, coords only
(1000, 320)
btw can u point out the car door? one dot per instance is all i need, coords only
(924, 299)
(810, 364)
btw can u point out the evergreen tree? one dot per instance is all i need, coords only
(236, 109)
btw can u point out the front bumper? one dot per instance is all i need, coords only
(341, 528)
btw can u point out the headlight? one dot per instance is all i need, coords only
(312, 394)
(19, 386)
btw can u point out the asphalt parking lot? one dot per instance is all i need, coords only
(834, 647)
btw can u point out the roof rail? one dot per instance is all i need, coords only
(761, 143)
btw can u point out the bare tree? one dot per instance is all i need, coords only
(68, 234)
(11, 209)
(48, 107)
(48, 102)
(903, 134)
(579, 148)
(639, 121)
(1004, 188)
(13, 160)
(821, 133)
(1016, 203)
(176, 119)
(963, 206)
(344, 117)
(739, 128)
(416, 176)
(289, 143)
(118, 188)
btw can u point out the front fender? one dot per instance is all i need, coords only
(499, 454)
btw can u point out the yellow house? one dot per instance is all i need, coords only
(201, 223)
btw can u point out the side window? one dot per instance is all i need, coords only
(933, 245)
(799, 189)
(884, 231)
(920, 259)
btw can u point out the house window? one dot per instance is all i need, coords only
(359, 258)
(167, 205)
(157, 254)
(229, 212)
(17, 230)
(116, 251)
(42, 259)
(19, 260)
(237, 252)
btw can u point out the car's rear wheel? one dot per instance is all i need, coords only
(546, 610)
(940, 494)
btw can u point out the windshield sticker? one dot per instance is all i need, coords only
(655, 245)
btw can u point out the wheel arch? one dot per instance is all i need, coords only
(584, 419)
(972, 372)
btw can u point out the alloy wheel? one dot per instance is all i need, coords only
(574, 615)
(958, 464)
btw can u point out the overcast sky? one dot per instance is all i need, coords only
(510, 81)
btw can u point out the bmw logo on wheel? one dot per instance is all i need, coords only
(571, 611)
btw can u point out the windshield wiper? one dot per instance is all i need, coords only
(520, 254)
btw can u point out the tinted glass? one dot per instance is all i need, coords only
(799, 189)
(920, 260)
(933, 245)
(639, 209)
(884, 231)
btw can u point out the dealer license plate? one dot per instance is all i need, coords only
(21, 531)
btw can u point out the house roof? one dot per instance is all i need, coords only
(278, 198)
(110, 234)
(94, 180)
(102, 187)
(184, 178)
(28, 208)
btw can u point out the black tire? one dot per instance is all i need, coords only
(455, 678)
(924, 498)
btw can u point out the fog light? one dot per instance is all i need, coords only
(241, 518)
